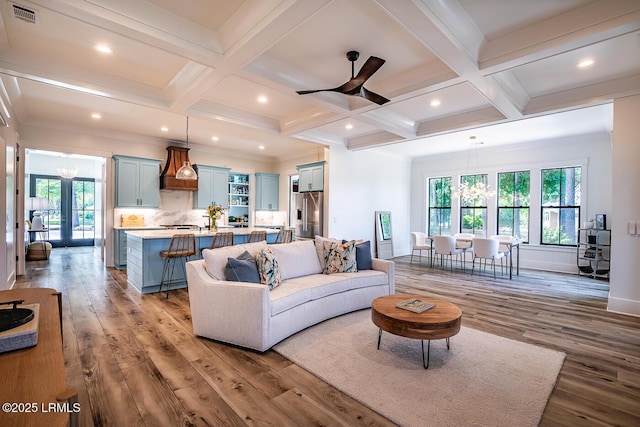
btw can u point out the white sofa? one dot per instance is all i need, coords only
(250, 315)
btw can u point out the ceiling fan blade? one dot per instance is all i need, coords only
(373, 97)
(354, 85)
(372, 65)
(305, 92)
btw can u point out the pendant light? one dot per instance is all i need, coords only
(186, 172)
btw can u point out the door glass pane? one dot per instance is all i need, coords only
(51, 189)
(83, 210)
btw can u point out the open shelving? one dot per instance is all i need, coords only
(594, 252)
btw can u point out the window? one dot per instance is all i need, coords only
(439, 206)
(473, 211)
(560, 206)
(513, 204)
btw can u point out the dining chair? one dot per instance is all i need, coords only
(503, 247)
(181, 247)
(419, 243)
(487, 248)
(284, 236)
(446, 246)
(257, 236)
(464, 241)
(222, 239)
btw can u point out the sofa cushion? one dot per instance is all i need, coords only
(339, 257)
(297, 258)
(216, 259)
(242, 269)
(365, 278)
(293, 292)
(268, 268)
(255, 247)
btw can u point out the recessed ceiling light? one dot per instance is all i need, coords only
(96, 116)
(585, 63)
(262, 99)
(348, 126)
(435, 103)
(164, 129)
(214, 138)
(261, 147)
(103, 48)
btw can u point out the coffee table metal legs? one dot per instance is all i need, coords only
(425, 362)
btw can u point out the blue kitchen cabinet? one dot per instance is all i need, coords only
(267, 191)
(311, 177)
(137, 182)
(212, 186)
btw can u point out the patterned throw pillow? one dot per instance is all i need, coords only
(339, 257)
(268, 269)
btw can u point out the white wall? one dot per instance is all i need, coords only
(362, 182)
(592, 152)
(624, 285)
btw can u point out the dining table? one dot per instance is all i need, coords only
(508, 241)
(512, 243)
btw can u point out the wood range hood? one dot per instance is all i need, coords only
(176, 156)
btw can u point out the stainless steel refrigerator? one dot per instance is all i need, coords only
(309, 212)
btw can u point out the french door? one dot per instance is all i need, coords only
(70, 218)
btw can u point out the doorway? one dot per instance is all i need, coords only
(71, 213)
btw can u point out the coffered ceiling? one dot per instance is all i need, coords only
(452, 68)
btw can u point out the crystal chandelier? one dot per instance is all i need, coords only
(186, 171)
(67, 171)
(469, 193)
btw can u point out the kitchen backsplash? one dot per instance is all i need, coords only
(172, 211)
(271, 218)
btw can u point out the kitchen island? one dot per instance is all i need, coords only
(144, 264)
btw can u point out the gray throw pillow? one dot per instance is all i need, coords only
(242, 269)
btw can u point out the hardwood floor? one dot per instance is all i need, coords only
(135, 361)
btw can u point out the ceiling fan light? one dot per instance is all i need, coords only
(186, 172)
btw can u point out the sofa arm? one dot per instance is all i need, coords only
(233, 312)
(388, 267)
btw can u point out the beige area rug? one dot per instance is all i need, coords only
(483, 380)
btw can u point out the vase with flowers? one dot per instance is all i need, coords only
(215, 212)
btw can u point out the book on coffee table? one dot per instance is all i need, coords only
(416, 305)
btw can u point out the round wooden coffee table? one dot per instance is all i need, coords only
(440, 322)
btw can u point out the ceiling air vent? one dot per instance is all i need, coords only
(24, 14)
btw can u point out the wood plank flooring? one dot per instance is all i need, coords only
(135, 361)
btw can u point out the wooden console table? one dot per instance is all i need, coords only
(34, 376)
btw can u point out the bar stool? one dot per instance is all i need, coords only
(257, 236)
(284, 236)
(181, 247)
(221, 240)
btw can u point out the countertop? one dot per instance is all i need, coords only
(166, 234)
(142, 227)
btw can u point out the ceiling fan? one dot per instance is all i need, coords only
(355, 85)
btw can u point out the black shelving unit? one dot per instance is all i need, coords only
(594, 252)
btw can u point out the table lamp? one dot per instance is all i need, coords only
(37, 204)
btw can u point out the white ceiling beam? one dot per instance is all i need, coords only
(586, 95)
(590, 24)
(428, 21)
(145, 23)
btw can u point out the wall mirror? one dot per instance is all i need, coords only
(384, 236)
